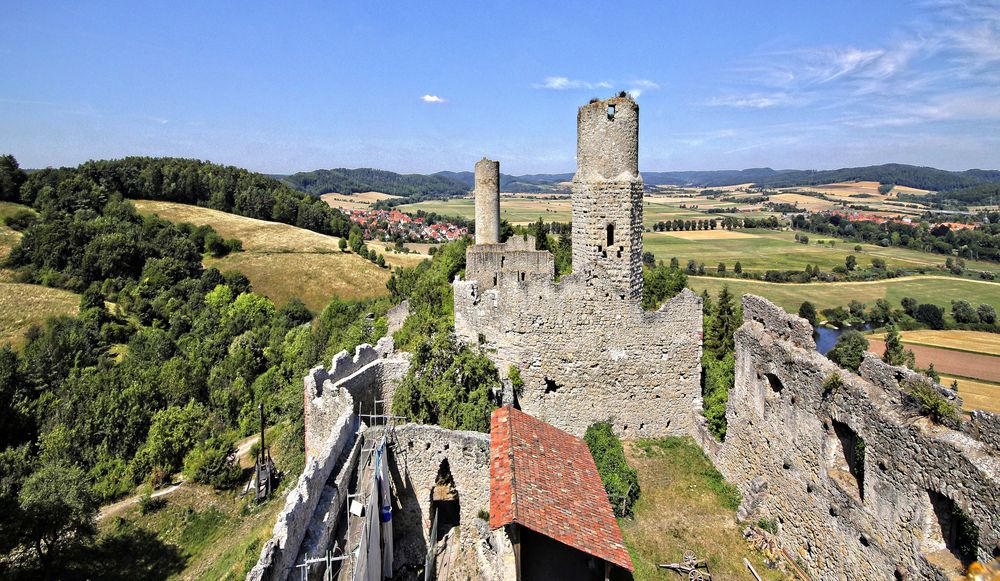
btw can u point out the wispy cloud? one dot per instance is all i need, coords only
(635, 87)
(564, 83)
(749, 101)
(433, 99)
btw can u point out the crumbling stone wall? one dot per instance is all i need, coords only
(788, 450)
(588, 355)
(585, 347)
(373, 373)
(418, 454)
(278, 556)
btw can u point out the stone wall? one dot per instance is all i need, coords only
(418, 454)
(484, 261)
(588, 355)
(278, 556)
(372, 373)
(790, 444)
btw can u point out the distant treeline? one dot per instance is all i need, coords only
(351, 181)
(981, 195)
(982, 243)
(925, 178)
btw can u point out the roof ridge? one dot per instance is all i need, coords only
(510, 453)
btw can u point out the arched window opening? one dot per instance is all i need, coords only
(444, 501)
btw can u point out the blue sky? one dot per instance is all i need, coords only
(426, 86)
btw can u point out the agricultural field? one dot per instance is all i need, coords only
(958, 340)
(975, 394)
(24, 305)
(514, 209)
(863, 192)
(940, 290)
(360, 201)
(760, 250)
(283, 261)
(674, 472)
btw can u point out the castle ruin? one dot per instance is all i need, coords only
(859, 483)
(585, 348)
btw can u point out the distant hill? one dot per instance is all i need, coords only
(351, 181)
(449, 184)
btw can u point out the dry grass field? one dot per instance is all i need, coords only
(718, 234)
(809, 203)
(23, 305)
(360, 201)
(283, 261)
(684, 505)
(980, 395)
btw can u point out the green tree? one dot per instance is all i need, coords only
(719, 334)
(738, 268)
(931, 315)
(910, 305)
(849, 350)
(963, 312)
(987, 314)
(660, 284)
(894, 353)
(850, 262)
(342, 244)
(11, 179)
(621, 481)
(59, 510)
(808, 312)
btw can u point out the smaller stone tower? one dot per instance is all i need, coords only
(487, 194)
(607, 195)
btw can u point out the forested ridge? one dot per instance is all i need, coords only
(351, 181)
(164, 366)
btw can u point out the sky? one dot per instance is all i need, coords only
(290, 86)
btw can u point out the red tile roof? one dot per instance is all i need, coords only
(546, 480)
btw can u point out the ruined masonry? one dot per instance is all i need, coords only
(859, 484)
(586, 349)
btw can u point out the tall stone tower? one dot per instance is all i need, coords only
(487, 194)
(607, 195)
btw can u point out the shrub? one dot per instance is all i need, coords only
(931, 315)
(832, 384)
(620, 480)
(148, 504)
(514, 375)
(21, 220)
(932, 404)
(849, 350)
(768, 525)
(211, 463)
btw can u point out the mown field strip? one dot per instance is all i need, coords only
(948, 361)
(975, 394)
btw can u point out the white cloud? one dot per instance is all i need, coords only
(749, 101)
(563, 83)
(432, 99)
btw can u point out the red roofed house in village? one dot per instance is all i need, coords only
(546, 493)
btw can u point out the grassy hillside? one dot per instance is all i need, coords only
(24, 305)
(939, 290)
(283, 261)
(685, 505)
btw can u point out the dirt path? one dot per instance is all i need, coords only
(242, 452)
(949, 361)
(121, 505)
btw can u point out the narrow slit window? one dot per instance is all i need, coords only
(611, 235)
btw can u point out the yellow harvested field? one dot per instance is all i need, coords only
(718, 234)
(360, 201)
(979, 395)
(23, 305)
(973, 341)
(283, 261)
(908, 190)
(805, 202)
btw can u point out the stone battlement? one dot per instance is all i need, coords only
(860, 483)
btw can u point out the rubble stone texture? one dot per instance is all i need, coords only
(787, 449)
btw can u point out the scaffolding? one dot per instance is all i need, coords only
(360, 503)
